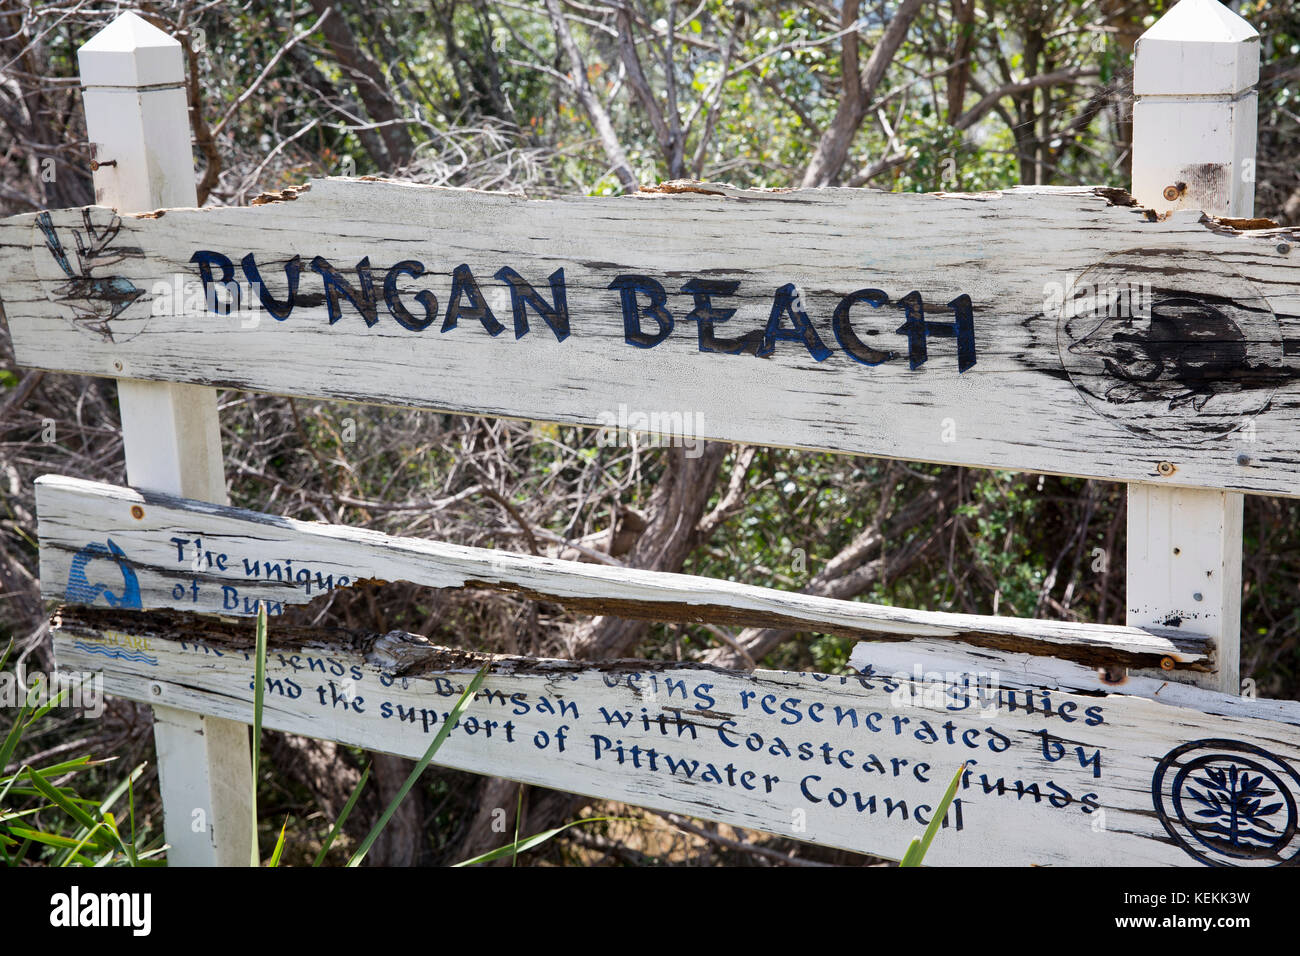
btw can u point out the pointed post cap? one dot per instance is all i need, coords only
(131, 52)
(1199, 48)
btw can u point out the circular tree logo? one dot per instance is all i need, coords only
(1168, 344)
(1229, 803)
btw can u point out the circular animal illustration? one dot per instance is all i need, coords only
(1169, 344)
(1229, 803)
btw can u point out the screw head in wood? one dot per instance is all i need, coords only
(1171, 193)
(137, 512)
(1284, 247)
(1167, 663)
(1165, 469)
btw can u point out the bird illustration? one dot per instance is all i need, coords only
(81, 591)
(1186, 352)
(96, 301)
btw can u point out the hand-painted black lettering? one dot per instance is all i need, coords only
(629, 288)
(522, 294)
(918, 329)
(464, 286)
(858, 350)
(279, 310)
(707, 315)
(392, 297)
(337, 288)
(206, 259)
(786, 302)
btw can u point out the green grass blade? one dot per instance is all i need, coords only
(453, 717)
(913, 855)
(259, 693)
(68, 766)
(17, 814)
(936, 822)
(115, 794)
(75, 852)
(130, 800)
(347, 811)
(520, 846)
(519, 811)
(9, 783)
(48, 706)
(48, 839)
(14, 735)
(105, 808)
(61, 799)
(279, 845)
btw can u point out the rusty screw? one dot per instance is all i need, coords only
(95, 164)
(137, 512)
(1172, 193)
(1165, 469)
(1167, 663)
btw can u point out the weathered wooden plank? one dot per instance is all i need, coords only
(126, 548)
(1053, 330)
(854, 762)
(929, 661)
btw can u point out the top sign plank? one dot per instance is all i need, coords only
(1053, 330)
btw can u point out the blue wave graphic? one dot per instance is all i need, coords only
(138, 657)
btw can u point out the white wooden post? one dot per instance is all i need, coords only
(137, 119)
(1194, 78)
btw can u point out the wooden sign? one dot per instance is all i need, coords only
(118, 547)
(857, 762)
(1055, 330)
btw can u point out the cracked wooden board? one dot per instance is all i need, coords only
(856, 762)
(1053, 330)
(101, 544)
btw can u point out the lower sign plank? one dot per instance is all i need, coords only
(856, 762)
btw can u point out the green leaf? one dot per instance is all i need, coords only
(453, 717)
(913, 855)
(347, 811)
(279, 845)
(68, 805)
(49, 839)
(919, 847)
(519, 846)
(259, 692)
(15, 733)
